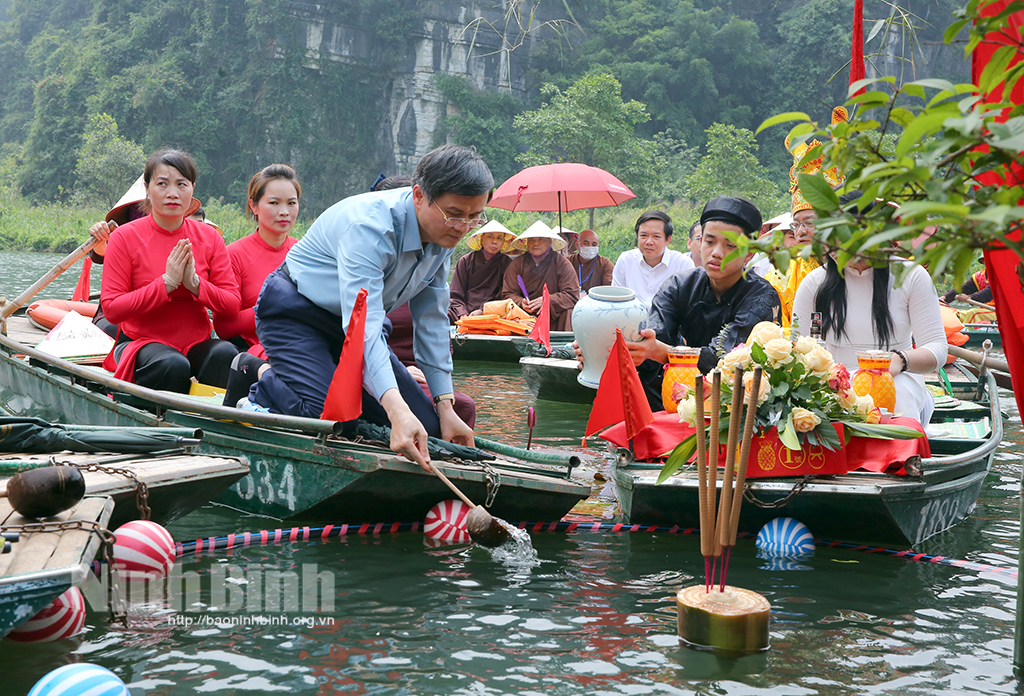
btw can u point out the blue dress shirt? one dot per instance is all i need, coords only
(373, 241)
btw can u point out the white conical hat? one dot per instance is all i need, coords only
(473, 241)
(539, 229)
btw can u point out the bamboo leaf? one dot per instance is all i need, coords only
(680, 455)
(882, 431)
(782, 118)
(788, 436)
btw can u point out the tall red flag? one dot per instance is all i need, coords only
(857, 46)
(620, 395)
(1004, 267)
(542, 327)
(344, 400)
(82, 292)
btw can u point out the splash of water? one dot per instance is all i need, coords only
(518, 550)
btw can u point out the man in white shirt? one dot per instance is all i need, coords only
(644, 269)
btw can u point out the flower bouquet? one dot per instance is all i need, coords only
(802, 394)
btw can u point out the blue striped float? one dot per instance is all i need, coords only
(786, 538)
(78, 680)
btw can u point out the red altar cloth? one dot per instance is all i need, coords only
(869, 454)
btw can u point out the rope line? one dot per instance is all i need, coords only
(331, 531)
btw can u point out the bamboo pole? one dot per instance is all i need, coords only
(712, 492)
(62, 265)
(991, 362)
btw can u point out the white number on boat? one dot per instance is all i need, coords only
(259, 482)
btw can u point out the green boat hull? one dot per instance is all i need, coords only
(552, 379)
(503, 349)
(294, 475)
(859, 507)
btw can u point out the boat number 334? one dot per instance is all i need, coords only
(271, 485)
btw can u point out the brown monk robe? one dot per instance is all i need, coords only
(594, 271)
(542, 264)
(478, 275)
(477, 280)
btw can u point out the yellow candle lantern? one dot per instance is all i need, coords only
(872, 377)
(681, 369)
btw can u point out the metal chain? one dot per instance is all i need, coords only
(141, 489)
(779, 502)
(493, 482)
(114, 602)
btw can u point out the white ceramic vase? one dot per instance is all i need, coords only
(594, 320)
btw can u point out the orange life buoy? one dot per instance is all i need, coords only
(46, 314)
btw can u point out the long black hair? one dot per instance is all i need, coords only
(831, 302)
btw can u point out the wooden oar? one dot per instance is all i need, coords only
(967, 300)
(482, 527)
(725, 506)
(741, 470)
(63, 265)
(977, 359)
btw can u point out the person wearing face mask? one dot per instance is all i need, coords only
(592, 270)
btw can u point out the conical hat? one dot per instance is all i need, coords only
(473, 241)
(539, 229)
(137, 194)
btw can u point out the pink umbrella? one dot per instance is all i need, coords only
(560, 186)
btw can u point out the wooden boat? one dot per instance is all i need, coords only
(979, 333)
(861, 507)
(498, 348)
(299, 468)
(44, 563)
(175, 483)
(554, 379)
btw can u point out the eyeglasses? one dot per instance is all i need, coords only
(809, 225)
(454, 222)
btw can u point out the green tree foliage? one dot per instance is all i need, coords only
(939, 205)
(107, 163)
(481, 119)
(730, 168)
(590, 123)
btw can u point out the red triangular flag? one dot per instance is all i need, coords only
(542, 327)
(81, 293)
(857, 47)
(620, 395)
(344, 400)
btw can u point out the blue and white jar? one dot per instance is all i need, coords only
(594, 320)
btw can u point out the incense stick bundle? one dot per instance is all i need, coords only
(702, 478)
(735, 414)
(744, 454)
(712, 489)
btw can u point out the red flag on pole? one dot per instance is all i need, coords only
(81, 293)
(620, 395)
(857, 47)
(344, 400)
(542, 327)
(1004, 267)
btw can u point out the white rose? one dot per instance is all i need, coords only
(737, 357)
(763, 389)
(865, 404)
(819, 361)
(779, 351)
(847, 399)
(804, 345)
(687, 410)
(765, 331)
(805, 421)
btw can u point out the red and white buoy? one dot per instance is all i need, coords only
(62, 618)
(446, 522)
(143, 550)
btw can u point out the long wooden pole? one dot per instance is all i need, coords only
(712, 492)
(702, 479)
(63, 265)
(741, 469)
(974, 357)
(725, 506)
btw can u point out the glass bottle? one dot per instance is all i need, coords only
(872, 377)
(682, 369)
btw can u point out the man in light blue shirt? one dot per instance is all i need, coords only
(398, 245)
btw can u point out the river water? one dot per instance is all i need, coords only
(590, 613)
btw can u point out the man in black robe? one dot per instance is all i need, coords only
(713, 306)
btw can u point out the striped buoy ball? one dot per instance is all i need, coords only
(143, 551)
(61, 618)
(786, 537)
(80, 679)
(446, 522)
